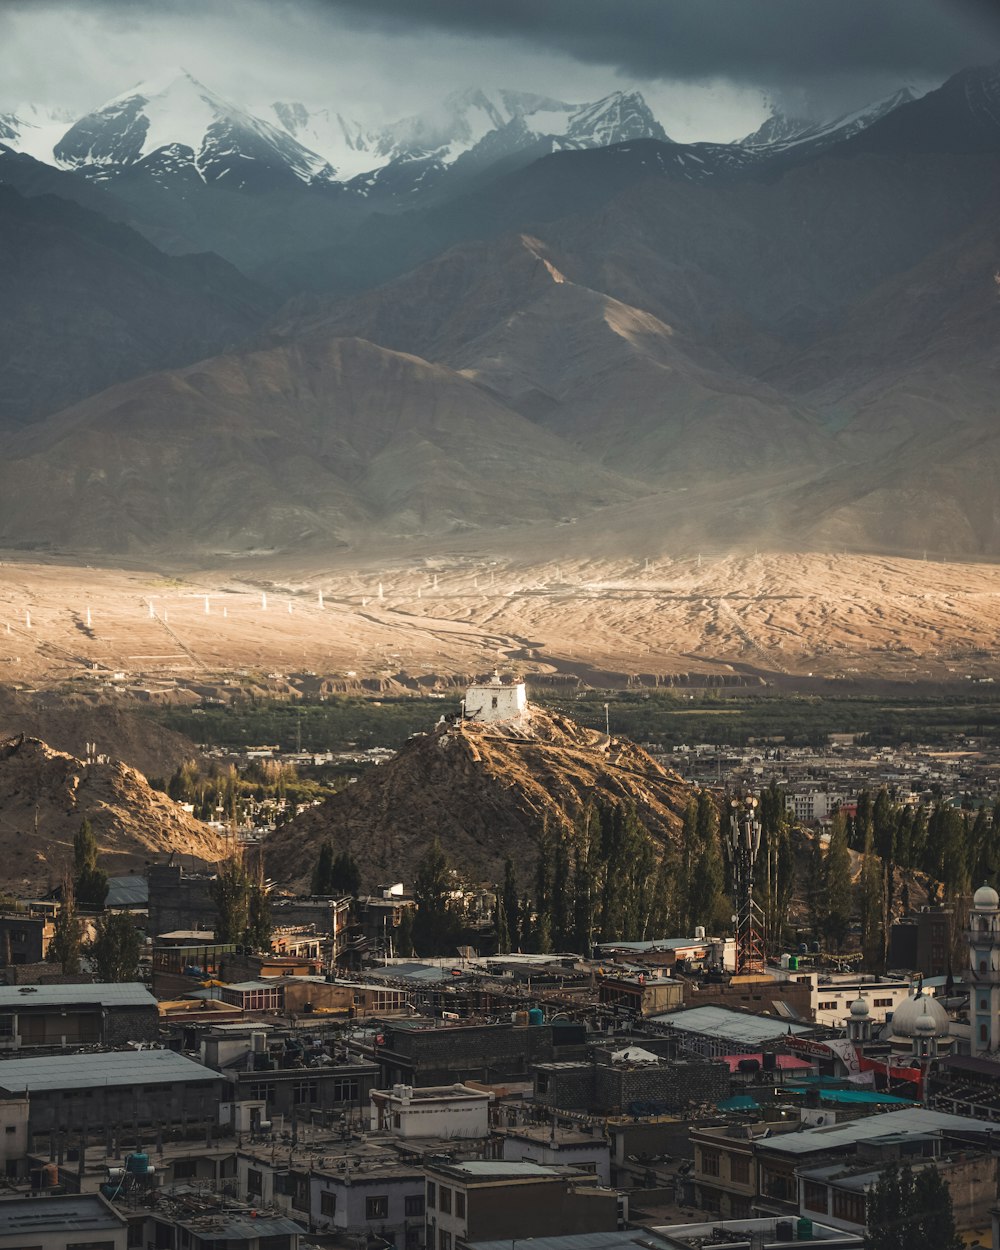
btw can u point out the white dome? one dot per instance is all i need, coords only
(859, 1009)
(924, 1024)
(912, 1010)
(986, 899)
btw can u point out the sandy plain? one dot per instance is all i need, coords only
(813, 618)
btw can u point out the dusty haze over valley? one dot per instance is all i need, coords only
(675, 353)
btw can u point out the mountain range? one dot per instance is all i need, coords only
(510, 313)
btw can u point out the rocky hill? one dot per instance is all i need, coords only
(46, 794)
(484, 791)
(68, 722)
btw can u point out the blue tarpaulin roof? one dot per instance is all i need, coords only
(857, 1096)
(739, 1102)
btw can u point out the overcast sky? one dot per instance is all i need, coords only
(708, 67)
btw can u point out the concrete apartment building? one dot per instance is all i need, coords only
(565, 1148)
(485, 1199)
(58, 1017)
(746, 1168)
(113, 1092)
(365, 1193)
(443, 1111)
(76, 1222)
(831, 996)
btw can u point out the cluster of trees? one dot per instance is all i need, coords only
(224, 793)
(956, 848)
(116, 946)
(338, 723)
(335, 874)
(910, 1211)
(242, 903)
(605, 879)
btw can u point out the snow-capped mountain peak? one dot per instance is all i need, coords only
(176, 113)
(474, 125)
(780, 132)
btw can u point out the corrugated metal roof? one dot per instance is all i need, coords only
(126, 994)
(86, 1071)
(881, 1124)
(730, 1026)
(130, 891)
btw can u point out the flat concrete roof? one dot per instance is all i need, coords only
(89, 1071)
(126, 994)
(34, 1217)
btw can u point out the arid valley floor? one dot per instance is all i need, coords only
(785, 618)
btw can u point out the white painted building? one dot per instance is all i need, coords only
(434, 1111)
(812, 804)
(832, 997)
(561, 1148)
(497, 702)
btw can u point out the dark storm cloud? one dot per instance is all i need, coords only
(761, 41)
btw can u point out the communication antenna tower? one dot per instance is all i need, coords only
(742, 843)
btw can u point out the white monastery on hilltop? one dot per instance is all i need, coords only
(497, 702)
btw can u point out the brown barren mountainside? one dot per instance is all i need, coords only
(68, 722)
(485, 792)
(45, 796)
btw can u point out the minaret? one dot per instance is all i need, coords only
(859, 1025)
(925, 1042)
(983, 936)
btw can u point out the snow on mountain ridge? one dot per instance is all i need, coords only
(177, 113)
(780, 132)
(488, 120)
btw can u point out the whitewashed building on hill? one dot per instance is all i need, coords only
(496, 702)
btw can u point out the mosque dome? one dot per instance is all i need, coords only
(986, 899)
(859, 1009)
(908, 1018)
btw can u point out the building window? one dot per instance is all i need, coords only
(444, 1237)
(262, 1091)
(882, 1002)
(184, 1168)
(414, 1205)
(983, 1005)
(430, 1193)
(346, 1090)
(814, 1197)
(460, 1204)
(710, 1162)
(413, 1238)
(6, 1026)
(327, 1203)
(828, 1006)
(850, 1207)
(984, 1035)
(377, 1208)
(255, 1180)
(542, 1082)
(444, 1200)
(305, 1092)
(739, 1169)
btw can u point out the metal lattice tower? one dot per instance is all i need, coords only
(742, 844)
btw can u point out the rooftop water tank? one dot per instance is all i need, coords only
(536, 1016)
